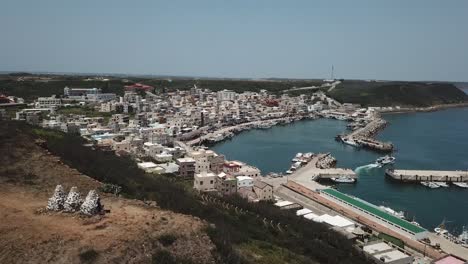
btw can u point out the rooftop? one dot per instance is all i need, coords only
(391, 255)
(375, 211)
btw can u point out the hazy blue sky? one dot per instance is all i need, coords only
(395, 39)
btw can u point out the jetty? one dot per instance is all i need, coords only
(364, 136)
(315, 170)
(427, 175)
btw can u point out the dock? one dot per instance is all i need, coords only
(365, 136)
(427, 175)
(311, 171)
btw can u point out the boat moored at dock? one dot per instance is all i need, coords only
(460, 184)
(343, 179)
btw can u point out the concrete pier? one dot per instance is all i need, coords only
(365, 136)
(311, 171)
(427, 175)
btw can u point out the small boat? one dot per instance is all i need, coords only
(351, 142)
(431, 185)
(442, 184)
(343, 179)
(461, 184)
(440, 229)
(399, 214)
(385, 160)
(463, 237)
(289, 172)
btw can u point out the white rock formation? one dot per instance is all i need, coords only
(57, 200)
(73, 201)
(92, 204)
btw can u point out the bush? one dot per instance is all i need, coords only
(88, 256)
(167, 239)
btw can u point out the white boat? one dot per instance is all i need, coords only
(461, 184)
(289, 172)
(399, 214)
(440, 229)
(431, 185)
(385, 160)
(442, 184)
(350, 142)
(299, 155)
(343, 179)
(463, 237)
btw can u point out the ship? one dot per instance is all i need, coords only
(385, 160)
(351, 142)
(461, 184)
(442, 184)
(463, 237)
(399, 214)
(343, 179)
(431, 185)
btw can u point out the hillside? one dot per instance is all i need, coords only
(398, 93)
(224, 230)
(132, 232)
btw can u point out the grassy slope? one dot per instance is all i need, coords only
(398, 93)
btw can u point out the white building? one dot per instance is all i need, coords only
(204, 181)
(382, 252)
(244, 181)
(48, 102)
(226, 95)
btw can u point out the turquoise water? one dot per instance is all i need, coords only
(436, 140)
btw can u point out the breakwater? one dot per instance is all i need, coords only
(427, 175)
(364, 137)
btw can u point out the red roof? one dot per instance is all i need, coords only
(138, 86)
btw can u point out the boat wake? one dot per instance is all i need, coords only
(366, 168)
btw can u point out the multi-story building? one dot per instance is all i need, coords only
(186, 167)
(204, 181)
(263, 190)
(226, 95)
(226, 184)
(48, 102)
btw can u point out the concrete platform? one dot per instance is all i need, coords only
(428, 175)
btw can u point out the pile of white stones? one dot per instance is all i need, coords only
(73, 203)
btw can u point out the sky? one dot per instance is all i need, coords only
(391, 40)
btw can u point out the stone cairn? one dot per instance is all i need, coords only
(73, 201)
(57, 200)
(92, 204)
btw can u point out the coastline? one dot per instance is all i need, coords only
(424, 109)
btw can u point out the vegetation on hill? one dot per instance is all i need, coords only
(398, 93)
(238, 233)
(366, 93)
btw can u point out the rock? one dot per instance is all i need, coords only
(92, 204)
(73, 201)
(56, 202)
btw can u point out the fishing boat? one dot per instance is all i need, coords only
(461, 184)
(440, 229)
(463, 237)
(351, 142)
(442, 184)
(431, 185)
(297, 157)
(399, 214)
(343, 179)
(385, 160)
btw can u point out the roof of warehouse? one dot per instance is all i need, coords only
(375, 211)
